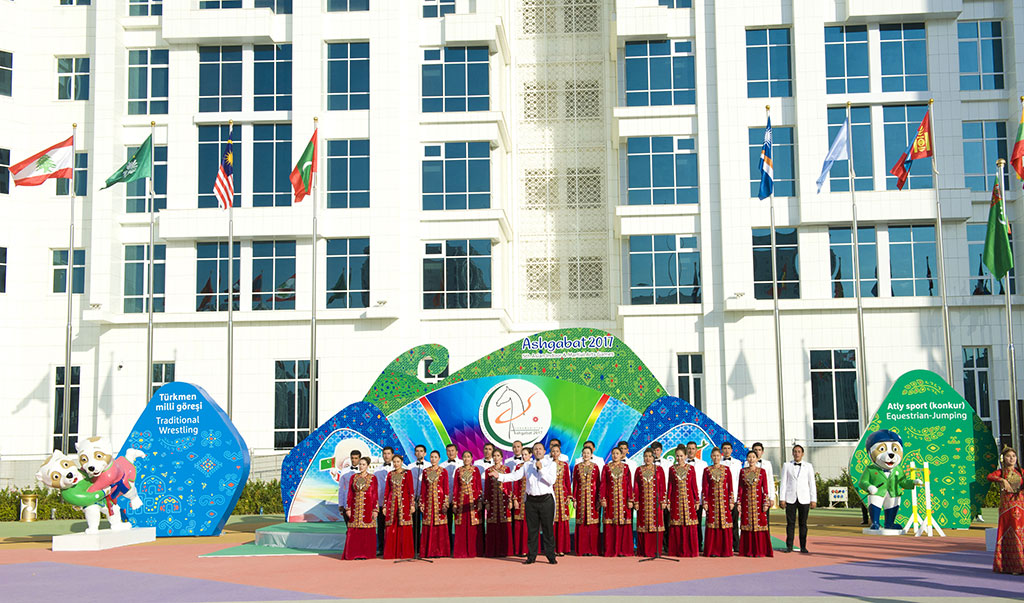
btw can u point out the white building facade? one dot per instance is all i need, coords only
(494, 168)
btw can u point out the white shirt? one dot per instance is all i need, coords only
(482, 466)
(700, 466)
(513, 462)
(665, 465)
(797, 483)
(632, 466)
(417, 467)
(735, 466)
(538, 481)
(345, 478)
(450, 467)
(382, 477)
(767, 466)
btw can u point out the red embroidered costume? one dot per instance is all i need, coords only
(683, 500)
(616, 494)
(498, 513)
(1009, 558)
(755, 541)
(398, 508)
(434, 534)
(718, 516)
(361, 535)
(586, 479)
(649, 489)
(466, 509)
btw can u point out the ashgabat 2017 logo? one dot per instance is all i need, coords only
(515, 409)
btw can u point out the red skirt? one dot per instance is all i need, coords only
(756, 544)
(520, 537)
(434, 541)
(682, 541)
(618, 540)
(718, 542)
(588, 539)
(648, 543)
(498, 539)
(563, 538)
(360, 543)
(398, 542)
(468, 540)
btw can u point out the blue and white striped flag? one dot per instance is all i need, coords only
(837, 152)
(765, 165)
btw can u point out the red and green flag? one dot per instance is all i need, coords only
(302, 173)
(1017, 156)
(997, 256)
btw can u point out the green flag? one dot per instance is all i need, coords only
(139, 165)
(998, 257)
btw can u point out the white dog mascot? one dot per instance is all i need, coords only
(114, 475)
(61, 472)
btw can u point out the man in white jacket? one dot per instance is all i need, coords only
(798, 494)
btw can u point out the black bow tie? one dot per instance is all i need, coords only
(797, 464)
(519, 458)
(419, 462)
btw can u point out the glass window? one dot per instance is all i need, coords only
(220, 78)
(81, 177)
(147, 82)
(271, 165)
(787, 263)
(846, 59)
(900, 127)
(438, 8)
(457, 274)
(690, 378)
(163, 373)
(834, 406)
(662, 170)
(348, 76)
(676, 3)
(3, 270)
(280, 7)
(272, 77)
(583, 99)
(212, 145)
(976, 382)
(348, 5)
(72, 78)
(6, 73)
(840, 247)
(73, 404)
(664, 269)
(660, 72)
(860, 133)
(291, 402)
(136, 193)
(136, 289)
(75, 2)
(461, 179)
(984, 143)
(348, 273)
(586, 277)
(783, 160)
(215, 4)
(981, 55)
(60, 271)
(904, 56)
(144, 8)
(911, 260)
(273, 275)
(212, 276)
(981, 280)
(348, 173)
(769, 68)
(5, 171)
(455, 78)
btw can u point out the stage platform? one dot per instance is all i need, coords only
(304, 536)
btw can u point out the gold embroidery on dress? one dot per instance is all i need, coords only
(361, 485)
(648, 494)
(585, 513)
(686, 518)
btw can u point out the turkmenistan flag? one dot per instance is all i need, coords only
(302, 174)
(139, 165)
(998, 257)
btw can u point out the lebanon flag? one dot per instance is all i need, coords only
(54, 162)
(302, 174)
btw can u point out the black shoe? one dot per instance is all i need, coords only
(553, 561)
(789, 549)
(529, 561)
(805, 552)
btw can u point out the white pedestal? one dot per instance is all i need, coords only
(882, 532)
(991, 536)
(104, 539)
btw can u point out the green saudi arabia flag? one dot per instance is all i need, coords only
(998, 257)
(138, 166)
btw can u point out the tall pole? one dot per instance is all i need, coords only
(231, 289)
(778, 329)
(149, 265)
(1014, 420)
(938, 247)
(862, 360)
(66, 407)
(315, 186)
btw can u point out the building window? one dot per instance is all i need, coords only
(982, 282)
(272, 76)
(583, 99)
(662, 170)
(163, 373)
(438, 8)
(58, 414)
(136, 193)
(348, 273)
(911, 256)
(769, 71)
(976, 382)
(136, 289)
(349, 5)
(900, 127)
(348, 173)
(584, 188)
(280, 7)
(860, 132)
(676, 3)
(73, 78)
(75, 2)
(220, 78)
(291, 402)
(271, 165)
(6, 73)
(660, 72)
(783, 159)
(981, 55)
(664, 269)
(586, 277)
(457, 274)
(458, 81)
(834, 395)
(689, 378)
(787, 263)
(60, 271)
(215, 4)
(5, 171)
(348, 76)
(840, 246)
(145, 8)
(3, 270)
(984, 143)
(81, 177)
(212, 276)
(459, 180)
(273, 275)
(846, 59)
(212, 145)
(147, 82)
(904, 57)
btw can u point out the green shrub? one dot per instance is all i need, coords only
(260, 494)
(845, 480)
(10, 504)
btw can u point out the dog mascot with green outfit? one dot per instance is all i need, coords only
(882, 480)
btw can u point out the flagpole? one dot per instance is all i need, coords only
(66, 410)
(938, 247)
(231, 288)
(313, 410)
(775, 312)
(1011, 357)
(149, 266)
(861, 362)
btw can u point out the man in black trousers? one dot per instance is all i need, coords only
(540, 500)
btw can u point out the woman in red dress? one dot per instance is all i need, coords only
(520, 531)
(649, 489)
(466, 506)
(617, 503)
(1009, 557)
(683, 501)
(563, 492)
(434, 534)
(585, 481)
(399, 499)
(361, 512)
(755, 541)
(718, 504)
(498, 511)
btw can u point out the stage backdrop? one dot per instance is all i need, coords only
(572, 384)
(937, 426)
